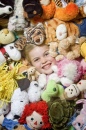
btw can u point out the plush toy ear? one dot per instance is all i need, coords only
(23, 83)
(20, 43)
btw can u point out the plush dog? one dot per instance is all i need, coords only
(32, 8)
(35, 34)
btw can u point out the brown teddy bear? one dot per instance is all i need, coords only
(68, 47)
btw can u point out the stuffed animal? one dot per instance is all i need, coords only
(35, 115)
(17, 22)
(6, 36)
(57, 30)
(68, 76)
(9, 52)
(67, 13)
(32, 8)
(32, 73)
(4, 108)
(83, 50)
(35, 34)
(18, 101)
(70, 47)
(81, 118)
(52, 90)
(6, 8)
(73, 91)
(60, 111)
(34, 91)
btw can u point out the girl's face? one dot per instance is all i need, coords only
(41, 59)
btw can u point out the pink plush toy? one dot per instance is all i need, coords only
(80, 120)
(69, 71)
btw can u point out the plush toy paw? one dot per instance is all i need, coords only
(42, 80)
(59, 57)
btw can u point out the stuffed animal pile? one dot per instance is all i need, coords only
(30, 100)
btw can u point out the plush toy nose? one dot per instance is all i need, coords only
(10, 9)
(6, 31)
(35, 123)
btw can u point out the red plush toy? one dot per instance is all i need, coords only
(35, 116)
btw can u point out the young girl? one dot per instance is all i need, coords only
(39, 57)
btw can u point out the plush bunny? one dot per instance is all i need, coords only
(17, 22)
(18, 101)
(9, 52)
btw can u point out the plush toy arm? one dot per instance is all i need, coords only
(54, 77)
(9, 116)
(42, 80)
(1, 119)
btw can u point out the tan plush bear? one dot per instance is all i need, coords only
(32, 73)
(57, 30)
(70, 47)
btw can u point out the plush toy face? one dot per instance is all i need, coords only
(13, 52)
(34, 121)
(4, 109)
(72, 91)
(6, 36)
(35, 35)
(31, 70)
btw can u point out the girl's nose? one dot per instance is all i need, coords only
(43, 60)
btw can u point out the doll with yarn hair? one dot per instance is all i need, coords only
(35, 116)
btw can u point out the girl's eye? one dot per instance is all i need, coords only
(47, 53)
(32, 119)
(36, 59)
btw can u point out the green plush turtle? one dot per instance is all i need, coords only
(60, 112)
(52, 90)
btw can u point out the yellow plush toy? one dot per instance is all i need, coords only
(83, 50)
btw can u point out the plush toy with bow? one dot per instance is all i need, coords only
(9, 52)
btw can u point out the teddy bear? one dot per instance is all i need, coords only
(6, 36)
(33, 74)
(57, 30)
(70, 47)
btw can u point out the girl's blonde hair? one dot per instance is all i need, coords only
(26, 50)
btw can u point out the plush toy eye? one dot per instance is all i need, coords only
(21, 101)
(4, 109)
(36, 85)
(41, 122)
(54, 89)
(32, 119)
(16, 16)
(38, 33)
(11, 47)
(79, 124)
